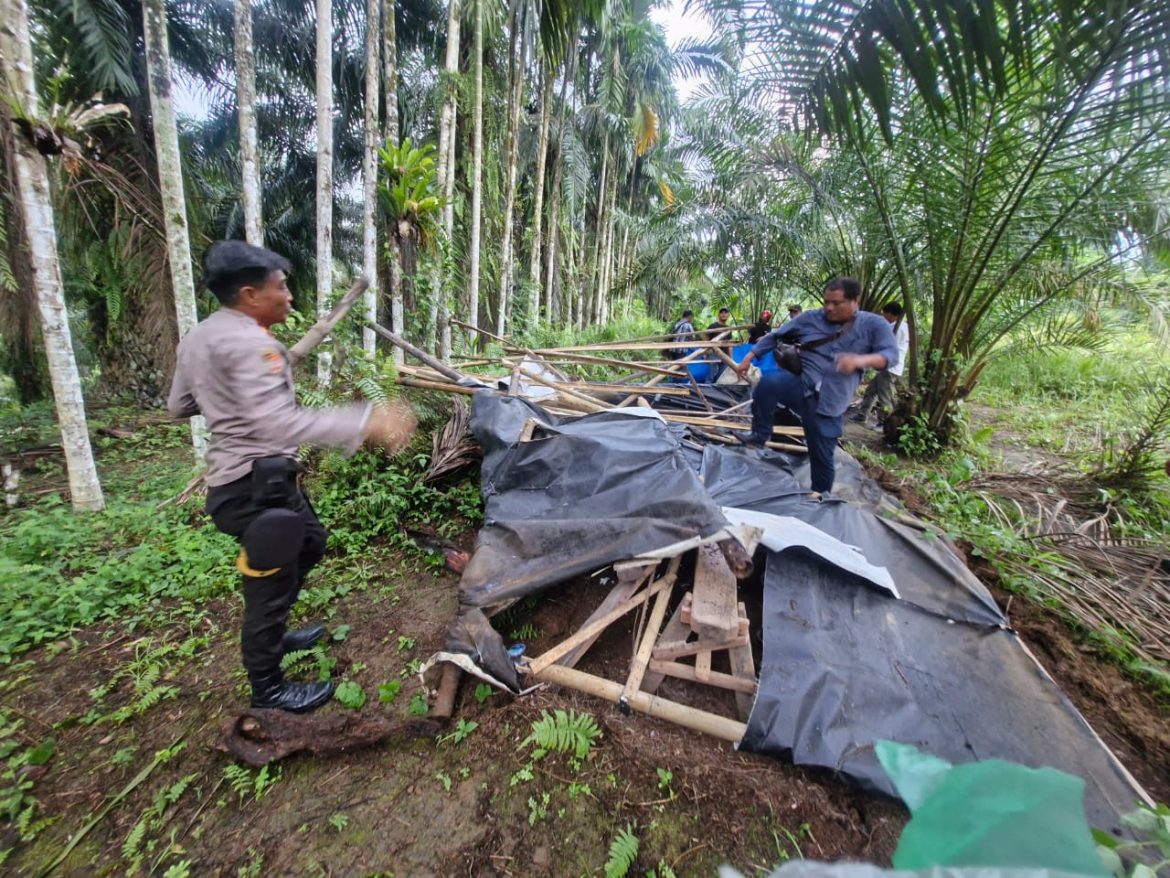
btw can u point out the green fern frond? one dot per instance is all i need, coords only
(623, 851)
(564, 733)
(239, 779)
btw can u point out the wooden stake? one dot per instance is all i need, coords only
(550, 656)
(320, 330)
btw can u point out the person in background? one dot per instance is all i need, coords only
(839, 343)
(761, 327)
(237, 375)
(794, 311)
(683, 331)
(881, 390)
(719, 325)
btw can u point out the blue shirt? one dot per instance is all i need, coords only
(870, 334)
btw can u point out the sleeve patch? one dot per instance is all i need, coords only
(273, 360)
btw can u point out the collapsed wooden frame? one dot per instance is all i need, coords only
(706, 620)
(562, 395)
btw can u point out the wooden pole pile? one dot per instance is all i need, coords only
(534, 374)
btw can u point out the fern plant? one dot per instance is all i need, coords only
(623, 851)
(563, 732)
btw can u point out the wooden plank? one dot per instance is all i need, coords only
(622, 591)
(642, 658)
(743, 665)
(676, 630)
(597, 626)
(713, 604)
(665, 651)
(714, 678)
(702, 669)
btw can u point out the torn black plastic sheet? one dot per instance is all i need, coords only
(845, 665)
(583, 493)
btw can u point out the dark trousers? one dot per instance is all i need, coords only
(267, 599)
(820, 431)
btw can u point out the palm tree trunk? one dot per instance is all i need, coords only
(246, 107)
(390, 134)
(607, 259)
(324, 171)
(170, 180)
(476, 172)
(554, 194)
(445, 179)
(538, 197)
(32, 183)
(516, 70)
(370, 174)
(599, 233)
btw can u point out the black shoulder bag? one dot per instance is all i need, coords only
(788, 355)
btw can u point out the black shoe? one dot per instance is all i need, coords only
(303, 639)
(272, 693)
(750, 440)
(859, 416)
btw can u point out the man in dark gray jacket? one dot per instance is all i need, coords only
(237, 375)
(838, 343)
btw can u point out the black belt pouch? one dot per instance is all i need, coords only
(272, 481)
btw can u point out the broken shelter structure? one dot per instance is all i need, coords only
(870, 626)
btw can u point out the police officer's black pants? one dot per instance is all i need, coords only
(267, 598)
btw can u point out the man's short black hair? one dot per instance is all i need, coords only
(229, 266)
(893, 308)
(795, 308)
(851, 287)
(688, 313)
(724, 310)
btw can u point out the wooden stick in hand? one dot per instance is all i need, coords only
(321, 329)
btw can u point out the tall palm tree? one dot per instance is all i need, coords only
(246, 105)
(324, 63)
(32, 183)
(476, 173)
(440, 317)
(370, 171)
(1003, 145)
(170, 174)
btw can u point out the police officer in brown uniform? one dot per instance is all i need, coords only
(232, 371)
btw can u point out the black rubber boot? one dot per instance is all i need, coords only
(271, 692)
(302, 639)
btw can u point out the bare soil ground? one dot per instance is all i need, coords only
(424, 806)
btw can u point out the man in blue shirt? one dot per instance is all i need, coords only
(838, 343)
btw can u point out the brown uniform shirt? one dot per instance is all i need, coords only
(234, 373)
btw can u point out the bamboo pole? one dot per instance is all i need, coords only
(689, 717)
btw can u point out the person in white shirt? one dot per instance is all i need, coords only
(881, 390)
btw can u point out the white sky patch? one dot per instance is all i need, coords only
(682, 25)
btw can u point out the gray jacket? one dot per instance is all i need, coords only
(234, 373)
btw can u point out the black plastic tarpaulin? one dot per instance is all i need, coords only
(845, 663)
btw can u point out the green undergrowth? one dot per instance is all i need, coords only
(142, 560)
(1021, 564)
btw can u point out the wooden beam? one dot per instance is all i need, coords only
(597, 626)
(674, 649)
(689, 717)
(713, 678)
(420, 355)
(321, 329)
(713, 600)
(642, 657)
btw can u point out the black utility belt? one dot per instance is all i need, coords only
(274, 480)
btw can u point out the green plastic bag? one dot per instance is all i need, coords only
(989, 813)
